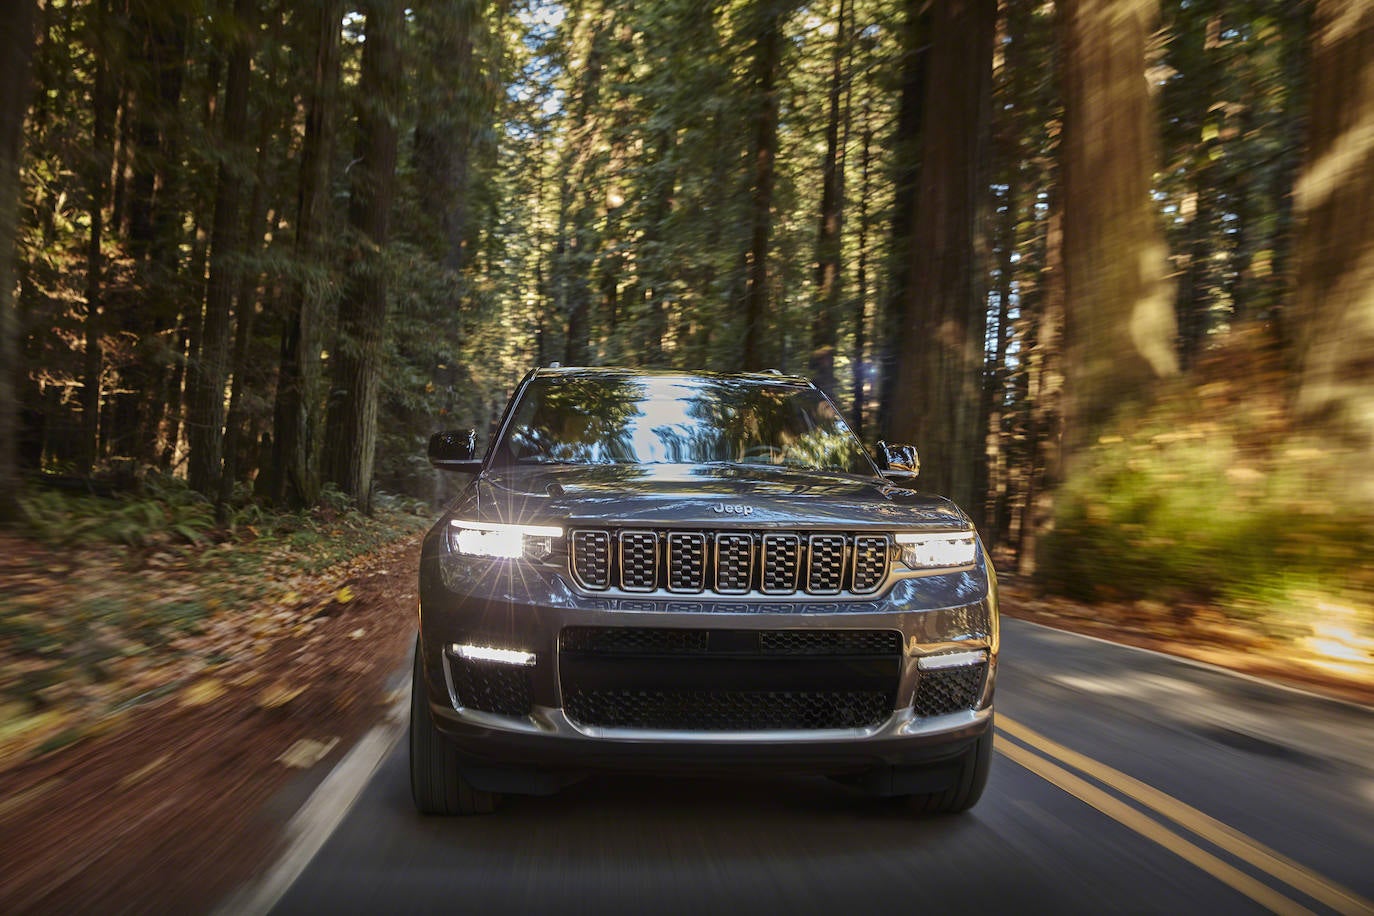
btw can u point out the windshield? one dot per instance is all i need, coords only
(678, 420)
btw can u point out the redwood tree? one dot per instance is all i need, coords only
(1334, 310)
(1119, 321)
(351, 428)
(937, 398)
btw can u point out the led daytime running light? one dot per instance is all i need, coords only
(494, 539)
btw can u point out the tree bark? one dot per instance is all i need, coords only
(295, 479)
(825, 318)
(16, 49)
(351, 427)
(940, 336)
(766, 62)
(1119, 323)
(205, 400)
(1334, 308)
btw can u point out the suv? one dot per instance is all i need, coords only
(696, 572)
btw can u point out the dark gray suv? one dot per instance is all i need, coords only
(695, 572)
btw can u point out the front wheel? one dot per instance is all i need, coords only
(964, 794)
(436, 784)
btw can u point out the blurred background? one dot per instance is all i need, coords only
(1108, 264)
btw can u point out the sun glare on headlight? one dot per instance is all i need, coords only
(508, 542)
(937, 549)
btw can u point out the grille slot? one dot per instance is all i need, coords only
(728, 710)
(591, 558)
(870, 562)
(731, 562)
(944, 690)
(638, 561)
(780, 563)
(686, 561)
(491, 686)
(825, 566)
(734, 563)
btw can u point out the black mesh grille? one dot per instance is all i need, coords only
(780, 563)
(638, 561)
(686, 561)
(870, 562)
(673, 641)
(830, 642)
(727, 710)
(825, 569)
(734, 563)
(729, 562)
(491, 686)
(946, 690)
(592, 558)
(633, 640)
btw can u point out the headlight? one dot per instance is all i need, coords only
(509, 542)
(937, 549)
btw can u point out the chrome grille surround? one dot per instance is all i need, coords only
(729, 562)
(591, 558)
(825, 564)
(734, 563)
(638, 561)
(686, 561)
(870, 562)
(780, 564)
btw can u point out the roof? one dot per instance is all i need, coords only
(771, 376)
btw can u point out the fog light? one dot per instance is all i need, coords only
(488, 654)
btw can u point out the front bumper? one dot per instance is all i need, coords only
(540, 747)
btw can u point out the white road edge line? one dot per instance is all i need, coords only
(321, 814)
(1197, 663)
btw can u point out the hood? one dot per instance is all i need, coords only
(703, 496)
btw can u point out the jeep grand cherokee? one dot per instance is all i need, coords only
(696, 572)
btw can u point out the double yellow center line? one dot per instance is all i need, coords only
(1225, 838)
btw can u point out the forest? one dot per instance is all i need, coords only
(1108, 264)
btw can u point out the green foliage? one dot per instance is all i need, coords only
(1209, 497)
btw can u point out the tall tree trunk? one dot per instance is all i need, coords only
(906, 168)
(763, 70)
(104, 98)
(356, 365)
(445, 130)
(205, 401)
(1119, 323)
(295, 478)
(1335, 279)
(16, 48)
(940, 337)
(860, 357)
(825, 317)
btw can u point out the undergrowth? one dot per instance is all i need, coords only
(1213, 497)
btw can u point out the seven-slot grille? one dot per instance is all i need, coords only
(729, 562)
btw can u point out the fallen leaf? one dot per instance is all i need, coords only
(307, 752)
(357, 634)
(279, 694)
(344, 595)
(202, 692)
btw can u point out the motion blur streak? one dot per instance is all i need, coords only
(1213, 831)
(1129, 817)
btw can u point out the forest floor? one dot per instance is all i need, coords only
(169, 802)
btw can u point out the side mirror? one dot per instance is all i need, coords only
(898, 462)
(455, 450)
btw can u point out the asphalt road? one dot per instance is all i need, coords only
(1123, 782)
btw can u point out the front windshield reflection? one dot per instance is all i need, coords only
(678, 420)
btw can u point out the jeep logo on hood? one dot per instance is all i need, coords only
(732, 509)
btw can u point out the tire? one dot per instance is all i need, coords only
(436, 785)
(964, 794)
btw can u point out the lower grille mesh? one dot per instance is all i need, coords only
(727, 710)
(946, 690)
(491, 686)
